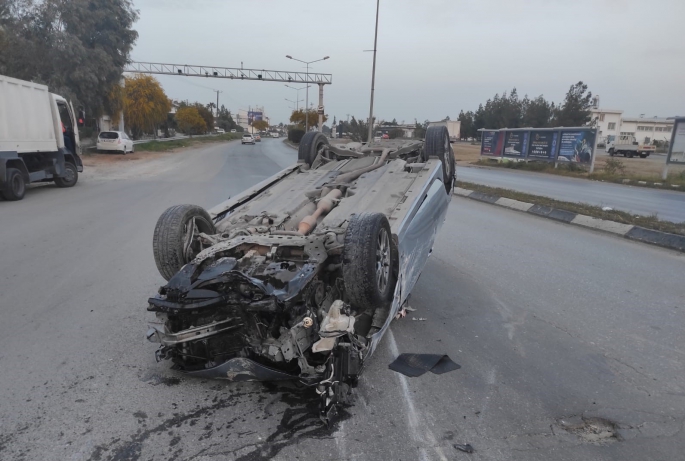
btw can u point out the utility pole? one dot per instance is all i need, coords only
(217, 102)
(373, 74)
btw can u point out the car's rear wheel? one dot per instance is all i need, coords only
(438, 145)
(70, 176)
(15, 187)
(369, 262)
(174, 242)
(310, 145)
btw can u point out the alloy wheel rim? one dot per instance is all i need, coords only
(382, 260)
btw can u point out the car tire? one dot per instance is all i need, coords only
(310, 144)
(368, 262)
(15, 188)
(70, 176)
(438, 145)
(172, 242)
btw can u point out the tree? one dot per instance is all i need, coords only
(537, 113)
(358, 130)
(260, 125)
(77, 47)
(299, 116)
(466, 120)
(395, 133)
(225, 120)
(206, 115)
(145, 104)
(190, 121)
(575, 111)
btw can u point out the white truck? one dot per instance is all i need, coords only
(39, 141)
(629, 147)
(453, 128)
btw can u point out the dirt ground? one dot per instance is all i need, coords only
(117, 166)
(466, 153)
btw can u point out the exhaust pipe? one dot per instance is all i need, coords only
(325, 205)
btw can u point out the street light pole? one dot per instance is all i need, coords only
(373, 74)
(298, 92)
(306, 115)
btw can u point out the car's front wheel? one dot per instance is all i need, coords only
(174, 242)
(369, 262)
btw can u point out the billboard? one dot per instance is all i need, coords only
(576, 146)
(543, 145)
(254, 116)
(516, 144)
(676, 150)
(492, 143)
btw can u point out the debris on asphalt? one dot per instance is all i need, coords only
(467, 448)
(414, 365)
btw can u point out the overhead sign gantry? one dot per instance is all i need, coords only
(235, 73)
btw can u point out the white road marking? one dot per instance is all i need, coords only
(418, 429)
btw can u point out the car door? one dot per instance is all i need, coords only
(416, 244)
(77, 140)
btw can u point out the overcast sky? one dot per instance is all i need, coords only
(435, 57)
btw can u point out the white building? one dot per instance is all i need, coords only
(611, 123)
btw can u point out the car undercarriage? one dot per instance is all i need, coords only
(298, 277)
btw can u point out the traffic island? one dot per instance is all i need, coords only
(647, 229)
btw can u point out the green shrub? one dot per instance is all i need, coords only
(295, 135)
(614, 166)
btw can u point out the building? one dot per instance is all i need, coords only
(611, 123)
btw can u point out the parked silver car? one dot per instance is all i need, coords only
(300, 276)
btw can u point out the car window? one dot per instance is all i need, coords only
(109, 135)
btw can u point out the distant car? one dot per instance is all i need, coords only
(114, 141)
(247, 139)
(257, 138)
(220, 131)
(385, 136)
(274, 134)
(233, 130)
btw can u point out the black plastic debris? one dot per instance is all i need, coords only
(414, 365)
(467, 448)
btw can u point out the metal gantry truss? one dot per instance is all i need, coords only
(228, 72)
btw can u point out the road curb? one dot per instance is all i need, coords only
(629, 231)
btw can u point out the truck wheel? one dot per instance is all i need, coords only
(173, 242)
(368, 262)
(70, 176)
(438, 144)
(630, 155)
(611, 152)
(643, 155)
(310, 145)
(15, 188)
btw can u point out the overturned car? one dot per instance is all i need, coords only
(299, 277)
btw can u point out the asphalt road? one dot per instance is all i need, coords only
(668, 205)
(548, 321)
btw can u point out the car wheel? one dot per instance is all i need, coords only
(438, 145)
(310, 146)
(368, 262)
(173, 242)
(70, 176)
(15, 188)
